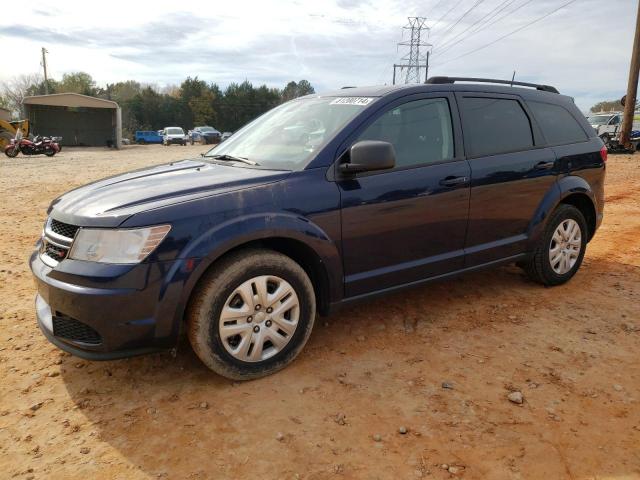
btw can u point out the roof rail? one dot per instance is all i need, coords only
(442, 80)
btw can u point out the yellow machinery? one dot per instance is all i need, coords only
(8, 131)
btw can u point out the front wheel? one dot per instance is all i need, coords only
(252, 314)
(11, 152)
(559, 253)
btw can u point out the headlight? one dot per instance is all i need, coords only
(117, 246)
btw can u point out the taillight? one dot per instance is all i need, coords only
(604, 153)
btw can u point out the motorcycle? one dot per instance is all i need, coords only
(37, 146)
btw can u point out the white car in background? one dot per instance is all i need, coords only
(606, 125)
(172, 135)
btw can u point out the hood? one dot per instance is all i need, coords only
(110, 201)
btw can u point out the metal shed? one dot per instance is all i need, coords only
(5, 114)
(79, 119)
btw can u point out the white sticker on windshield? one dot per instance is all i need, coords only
(352, 101)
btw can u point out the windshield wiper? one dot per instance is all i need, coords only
(232, 158)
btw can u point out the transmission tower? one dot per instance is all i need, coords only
(414, 61)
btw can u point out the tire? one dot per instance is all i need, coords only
(606, 139)
(217, 290)
(539, 267)
(11, 152)
(50, 153)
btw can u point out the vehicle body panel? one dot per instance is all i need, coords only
(368, 234)
(147, 136)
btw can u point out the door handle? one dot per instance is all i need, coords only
(545, 165)
(453, 181)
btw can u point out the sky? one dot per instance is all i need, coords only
(582, 49)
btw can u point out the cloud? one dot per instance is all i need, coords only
(152, 35)
(348, 42)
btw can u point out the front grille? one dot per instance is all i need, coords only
(71, 329)
(63, 229)
(54, 252)
(57, 240)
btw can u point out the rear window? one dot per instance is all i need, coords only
(495, 125)
(557, 124)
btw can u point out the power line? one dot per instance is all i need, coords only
(475, 5)
(492, 21)
(519, 29)
(446, 13)
(493, 12)
(437, 4)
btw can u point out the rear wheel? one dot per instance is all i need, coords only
(560, 251)
(252, 314)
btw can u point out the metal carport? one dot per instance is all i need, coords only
(79, 119)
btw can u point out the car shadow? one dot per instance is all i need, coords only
(167, 414)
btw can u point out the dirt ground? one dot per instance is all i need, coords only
(573, 351)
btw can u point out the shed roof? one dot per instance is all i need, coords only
(69, 100)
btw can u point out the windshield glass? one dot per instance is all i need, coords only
(207, 129)
(599, 119)
(287, 137)
(175, 131)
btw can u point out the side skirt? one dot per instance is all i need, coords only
(334, 307)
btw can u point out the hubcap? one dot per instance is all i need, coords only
(251, 333)
(565, 246)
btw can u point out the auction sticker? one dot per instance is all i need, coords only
(352, 101)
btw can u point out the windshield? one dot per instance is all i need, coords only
(206, 129)
(599, 119)
(287, 137)
(175, 131)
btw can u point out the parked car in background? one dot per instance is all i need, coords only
(323, 201)
(605, 124)
(143, 137)
(173, 135)
(608, 125)
(204, 135)
(225, 135)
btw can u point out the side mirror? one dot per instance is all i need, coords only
(368, 156)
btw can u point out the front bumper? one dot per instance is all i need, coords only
(103, 312)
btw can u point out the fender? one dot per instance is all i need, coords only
(565, 186)
(204, 250)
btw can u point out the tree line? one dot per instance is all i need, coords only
(147, 107)
(610, 106)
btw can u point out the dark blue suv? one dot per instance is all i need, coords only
(324, 200)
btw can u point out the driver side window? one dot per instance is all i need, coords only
(420, 131)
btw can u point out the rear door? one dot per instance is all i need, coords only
(511, 171)
(408, 223)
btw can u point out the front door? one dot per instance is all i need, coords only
(407, 223)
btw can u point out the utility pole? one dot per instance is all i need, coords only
(632, 88)
(414, 61)
(44, 66)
